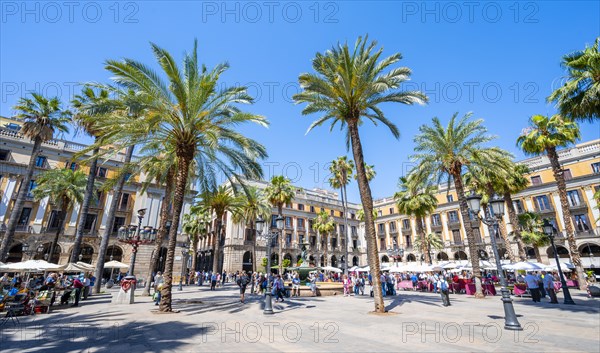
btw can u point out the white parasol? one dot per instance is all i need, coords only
(31, 265)
(115, 264)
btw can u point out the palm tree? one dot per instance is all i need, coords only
(348, 87)
(188, 113)
(544, 135)
(515, 182)
(486, 182)
(63, 187)
(220, 201)
(324, 225)
(533, 233)
(195, 224)
(127, 108)
(447, 152)
(42, 118)
(341, 170)
(579, 97)
(90, 107)
(417, 198)
(427, 242)
(252, 204)
(280, 192)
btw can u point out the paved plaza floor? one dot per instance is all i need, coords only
(217, 322)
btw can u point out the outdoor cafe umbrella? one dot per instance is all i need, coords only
(31, 265)
(525, 265)
(87, 266)
(115, 264)
(564, 266)
(74, 267)
(330, 268)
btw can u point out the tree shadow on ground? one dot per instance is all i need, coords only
(73, 332)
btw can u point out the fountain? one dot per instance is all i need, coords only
(304, 269)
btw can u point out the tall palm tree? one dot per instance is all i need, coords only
(446, 153)
(428, 242)
(195, 224)
(90, 106)
(189, 113)
(220, 201)
(280, 192)
(252, 204)
(341, 170)
(487, 182)
(127, 108)
(579, 97)
(42, 117)
(348, 88)
(543, 136)
(515, 182)
(533, 233)
(63, 187)
(417, 198)
(324, 225)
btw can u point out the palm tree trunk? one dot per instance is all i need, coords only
(253, 232)
(325, 249)
(162, 229)
(194, 254)
(216, 245)
(280, 259)
(367, 201)
(110, 222)
(514, 221)
(85, 205)
(538, 256)
(19, 202)
(473, 253)
(345, 208)
(61, 226)
(180, 187)
(424, 245)
(564, 204)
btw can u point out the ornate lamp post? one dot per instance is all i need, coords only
(269, 236)
(491, 220)
(549, 231)
(184, 253)
(395, 251)
(135, 235)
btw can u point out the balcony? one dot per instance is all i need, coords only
(454, 224)
(457, 243)
(406, 231)
(577, 206)
(545, 211)
(23, 228)
(90, 232)
(587, 233)
(394, 231)
(436, 227)
(123, 208)
(475, 223)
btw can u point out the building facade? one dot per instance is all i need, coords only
(581, 165)
(237, 247)
(38, 221)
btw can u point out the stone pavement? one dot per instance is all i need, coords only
(217, 322)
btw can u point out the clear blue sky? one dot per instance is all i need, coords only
(497, 59)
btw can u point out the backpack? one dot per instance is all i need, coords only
(444, 285)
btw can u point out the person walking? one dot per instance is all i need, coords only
(78, 286)
(213, 281)
(278, 288)
(549, 286)
(442, 285)
(533, 285)
(158, 284)
(242, 282)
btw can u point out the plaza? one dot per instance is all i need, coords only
(215, 321)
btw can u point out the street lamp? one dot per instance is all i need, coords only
(395, 251)
(491, 220)
(135, 235)
(269, 236)
(549, 231)
(184, 252)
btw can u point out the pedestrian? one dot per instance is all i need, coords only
(242, 282)
(213, 281)
(278, 288)
(296, 286)
(313, 285)
(442, 286)
(549, 286)
(86, 286)
(78, 286)
(158, 284)
(533, 285)
(540, 277)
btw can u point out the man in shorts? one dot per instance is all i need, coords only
(295, 286)
(242, 282)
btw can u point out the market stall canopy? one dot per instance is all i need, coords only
(74, 267)
(115, 264)
(30, 265)
(564, 266)
(86, 266)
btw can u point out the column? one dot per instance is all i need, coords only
(445, 230)
(141, 201)
(6, 196)
(589, 196)
(150, 212)
(558, 209)
(106, 208)
(74, 215)
(39, 215)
